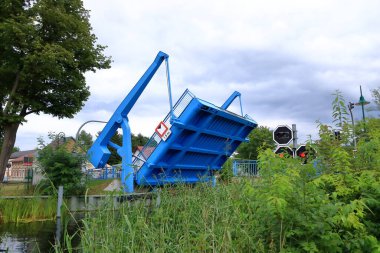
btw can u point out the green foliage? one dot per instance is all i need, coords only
(226, 173)
(27, 210)
(61, 167)
(331, 204)
(340, 114)
(138, 140)
(259, 138)
(115, 158)
(376, 96)
(368, 154)
(46, 47)
(84, 140)
(117, 138)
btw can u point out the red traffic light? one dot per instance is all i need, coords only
(283, 151)
(305, 152)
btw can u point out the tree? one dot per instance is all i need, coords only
(60, 167)
(115, 158)
(376, 96)
(84, 140)
(340, 114)
(138, 140)
(259, 138)
(46, 46)
(117, 138)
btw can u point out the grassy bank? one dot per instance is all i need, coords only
(16, 189)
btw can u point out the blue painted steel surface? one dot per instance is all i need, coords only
(231, 99)
(202, 137)
(245, 168)
(99, 153)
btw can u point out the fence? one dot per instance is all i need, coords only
(106, 173)
(245, 168)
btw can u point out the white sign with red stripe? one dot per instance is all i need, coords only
(163, 130)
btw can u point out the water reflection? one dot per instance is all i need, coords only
(31, 237)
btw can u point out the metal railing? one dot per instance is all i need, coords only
(180, 106)
(245, 168)
(106, 173)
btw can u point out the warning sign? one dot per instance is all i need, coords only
(163, 131)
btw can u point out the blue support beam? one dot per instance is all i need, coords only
(99, 153)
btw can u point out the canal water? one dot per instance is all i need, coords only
(33, 236)
(40, 236)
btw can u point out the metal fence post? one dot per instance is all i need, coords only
(60, 200)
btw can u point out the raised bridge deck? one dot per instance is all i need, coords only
(202, 138)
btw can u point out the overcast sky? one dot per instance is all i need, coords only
(285, 57)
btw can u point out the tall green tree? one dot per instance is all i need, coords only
(46, 46)
(259, 138)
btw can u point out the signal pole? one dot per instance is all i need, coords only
(294, 129)
(350, 107)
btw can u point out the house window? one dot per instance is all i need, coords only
(28, 161)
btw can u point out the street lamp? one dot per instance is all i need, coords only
(97, 121)
(362, 102)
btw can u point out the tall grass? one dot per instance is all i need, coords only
(188, 219)
(27, 210)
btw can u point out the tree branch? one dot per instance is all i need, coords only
(13, 92)
(23, 111)
(31, 111)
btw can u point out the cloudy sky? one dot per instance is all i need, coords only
(285, 57)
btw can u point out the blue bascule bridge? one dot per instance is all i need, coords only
(188, 146)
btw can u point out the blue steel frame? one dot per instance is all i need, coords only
(202, 137)
(99, 153)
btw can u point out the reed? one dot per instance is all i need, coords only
(188, 219)
(27, 210)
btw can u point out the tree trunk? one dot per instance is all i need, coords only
(10, 131)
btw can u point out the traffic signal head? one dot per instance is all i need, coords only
(305, 152)
(284, 151)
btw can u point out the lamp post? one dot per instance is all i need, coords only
(97, 121)
(362, 102)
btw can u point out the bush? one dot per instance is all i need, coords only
(61, 168)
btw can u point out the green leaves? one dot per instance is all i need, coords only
(259, 139)
(46, 47)
(61, 167)
(340, 114)
(51, 46)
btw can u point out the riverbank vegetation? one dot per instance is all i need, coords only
(28, 205)
(27, 210)
(327, 203)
